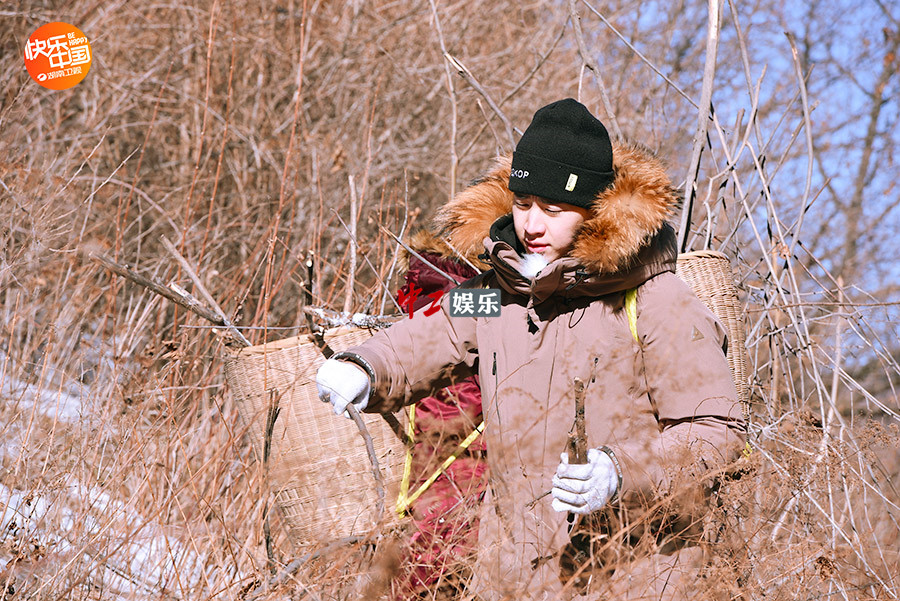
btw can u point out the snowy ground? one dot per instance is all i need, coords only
(122, 553)
(75, 528)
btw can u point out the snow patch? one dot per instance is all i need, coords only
(126, 553)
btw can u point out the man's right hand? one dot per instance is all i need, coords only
(341, 383)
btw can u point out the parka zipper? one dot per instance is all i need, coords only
(496, 379)
(496, 388)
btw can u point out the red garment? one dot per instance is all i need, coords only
(445, 516)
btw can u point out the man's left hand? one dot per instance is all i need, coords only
(587, 487)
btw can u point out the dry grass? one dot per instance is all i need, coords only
(240, 131)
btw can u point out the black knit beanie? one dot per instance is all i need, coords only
(564, 155)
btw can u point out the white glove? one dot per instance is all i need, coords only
(586, 487)
(341, 383)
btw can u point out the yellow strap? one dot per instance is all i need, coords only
(404, 500)
(748, 450)
(631, 310)
(407, 465)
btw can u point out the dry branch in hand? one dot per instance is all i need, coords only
(578, 433)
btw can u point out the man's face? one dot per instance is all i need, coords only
(544, 227)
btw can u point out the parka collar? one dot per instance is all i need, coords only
(624, 241)
(566, 277)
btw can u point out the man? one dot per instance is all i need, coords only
(575, 234)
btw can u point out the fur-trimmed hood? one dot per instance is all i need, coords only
(625, 217)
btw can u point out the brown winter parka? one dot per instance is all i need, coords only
(665, 404)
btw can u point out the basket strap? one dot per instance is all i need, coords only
(631, 311)
(404, 499)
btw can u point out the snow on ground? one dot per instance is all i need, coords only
(58, 404)
(124, 553)
(65, 403)
(81, 525)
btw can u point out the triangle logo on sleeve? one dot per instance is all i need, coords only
(696, 334)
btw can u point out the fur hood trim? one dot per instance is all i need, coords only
(624, 217)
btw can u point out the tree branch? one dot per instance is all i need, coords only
(704, 112)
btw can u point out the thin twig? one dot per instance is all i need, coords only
(351, 277)
(745, 60)
(417, 255)
(181, 298)
(390, 274)
(271, 418)
(202, 289)
(826, 426)
(639, 54)
(336, 319)
(709, 75)
(809, 142)
(472, 81)
(288, 571)
(373, 458)
(374, 270)
(592, 65)
(454, 158)
(462, 257)
(514, 91)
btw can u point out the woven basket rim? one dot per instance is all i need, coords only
(285, 343)
(704, 254)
